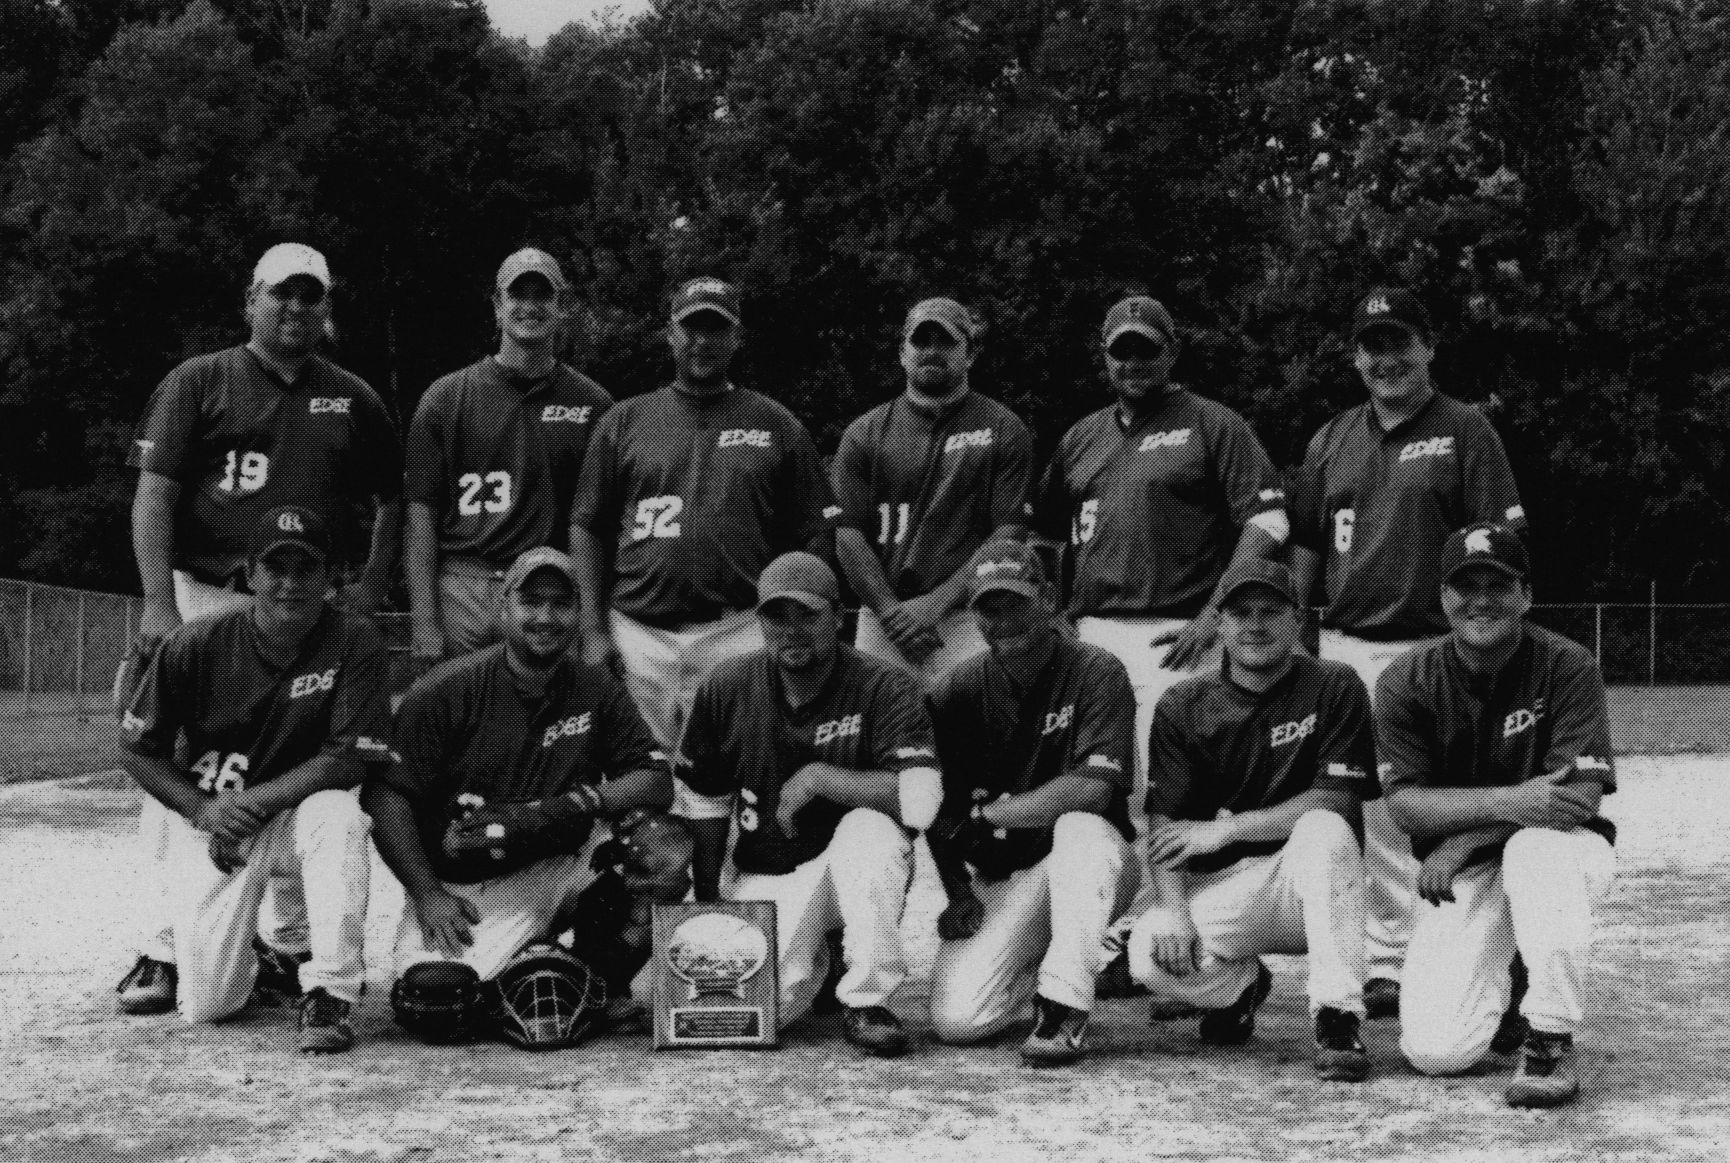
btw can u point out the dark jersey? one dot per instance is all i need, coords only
(742, 737)
(1215, 746)
(466, 729)
(497, 457)
(1077, 717)
(692, 497)
(1153, 510)
(927, 489)
(244, 721)
(1440, 725)
(1376, 507)
(240, 442)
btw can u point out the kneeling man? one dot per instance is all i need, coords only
(822, 755)
(1259, 770)
(1037, 743)
(1496, 752)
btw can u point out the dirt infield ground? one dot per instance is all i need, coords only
(80, 1083)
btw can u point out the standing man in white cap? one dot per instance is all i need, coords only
(923, 481)
(1382, 486)
(686, 494)
(225, 438)
(494, 451)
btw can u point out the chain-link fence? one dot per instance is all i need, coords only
(1668, 665)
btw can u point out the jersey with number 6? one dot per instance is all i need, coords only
(497, 456)
(246, 721)
(240, 441)
(692, 496)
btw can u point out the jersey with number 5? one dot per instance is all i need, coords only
(241, 721)
(693, 496)
(240, 442)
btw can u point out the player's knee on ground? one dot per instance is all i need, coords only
(959, 1019)
(436, 1001)
(1436, 1054)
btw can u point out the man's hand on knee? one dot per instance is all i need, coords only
(1174, 943)
(446, 920)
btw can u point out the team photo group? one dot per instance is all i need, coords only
(1088, 685)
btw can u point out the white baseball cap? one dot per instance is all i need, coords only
(288, 259)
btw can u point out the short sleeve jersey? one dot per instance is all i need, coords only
(1215, 746)
(1077, 717)
(1376, 507)
(496, 457)
(1441, 725)
(240, 442)
(466, 729)
(1153, 509)
(692, 497)
(742, 738)
(928, 489)
(244, 720)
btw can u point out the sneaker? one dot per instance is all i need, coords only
(278, 982)
(1340, 1053)
(1546, 1075)
(875, 1030)
(149, 987)
(1059, 1034)
(1381, 998)
(1235, 1024)
(324, 1027)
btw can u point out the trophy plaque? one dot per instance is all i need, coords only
(716, 982)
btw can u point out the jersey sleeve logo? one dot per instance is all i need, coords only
(1056, 721)
(1591, 763)
(567, 728)
(565, 414)
(1516, 513)
(1434, 446)
(836, 729)
(1176, 438)
(132, 725)
(1104, 761)
(1347, 771)
(747, 437)
(312, 684)
(1286, 734)
(375, 746)
(331, 405)
(915, 753)
(962, 440)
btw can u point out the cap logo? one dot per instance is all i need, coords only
(1377, 305)
(290, 523)
(991, 568)
(706, 287)
(1478, 541)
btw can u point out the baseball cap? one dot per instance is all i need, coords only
(954, 318)
(530, 261)
(1141, 315)
(1487, 544)
(805, 578)
(707, 294)
(289, 525)
(1270, 575)
(1005, 565)
(1391, 307)
(540, 557)
(287, 259)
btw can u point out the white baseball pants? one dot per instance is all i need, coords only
(1306, 898)
(320, 848)
(663, 668)
(1044, 933)
(859, 883)
(1537, 899)
(961, 641)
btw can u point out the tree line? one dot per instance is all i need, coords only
(1551, 176)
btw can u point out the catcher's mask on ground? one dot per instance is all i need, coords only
(547, 998)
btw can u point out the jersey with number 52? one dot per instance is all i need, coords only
(693, 496)
(244, 721)
(240, 442)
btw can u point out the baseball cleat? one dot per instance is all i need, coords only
(1340, 1053)
(875, 1030)
(324, 1027)
(1381, 998)
(1546, 1075)
(1059, 1034)
(278, 983)
(149, 987)
(1235, 1024)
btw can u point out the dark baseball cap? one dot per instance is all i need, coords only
(1268, 575)
(289, 525)
(1391, 307)
(1486, 544)
(1005, 565)
(803, 577)
(707, 294)
(1142, 316)
(948, 314)
(530, 261)
(538, 558)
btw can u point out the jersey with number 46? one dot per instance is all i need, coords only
(240, 442)
(693, 496)
(244, 721)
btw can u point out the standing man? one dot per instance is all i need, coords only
(1034, 841)
(1382, 486)
(923, 481)
(283, 704)
(493, 457)
(1157, 493)
(1495, 749)
(1259, 770)
(227, 437)
(822, 755)
(686, 494)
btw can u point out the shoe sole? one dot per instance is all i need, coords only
(334, 1047)
(147, 1007)
(1343, 1070)
(1054, 1056)
(1529, 1099)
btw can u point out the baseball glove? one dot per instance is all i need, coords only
(647, 862)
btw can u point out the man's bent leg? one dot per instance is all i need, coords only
(870, 864)
(514, 910)
(1090, 875)
(1323, 869)
(981, 986)
(1553, 880)
(804, 913)
(330, 852)
(1456, 984)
